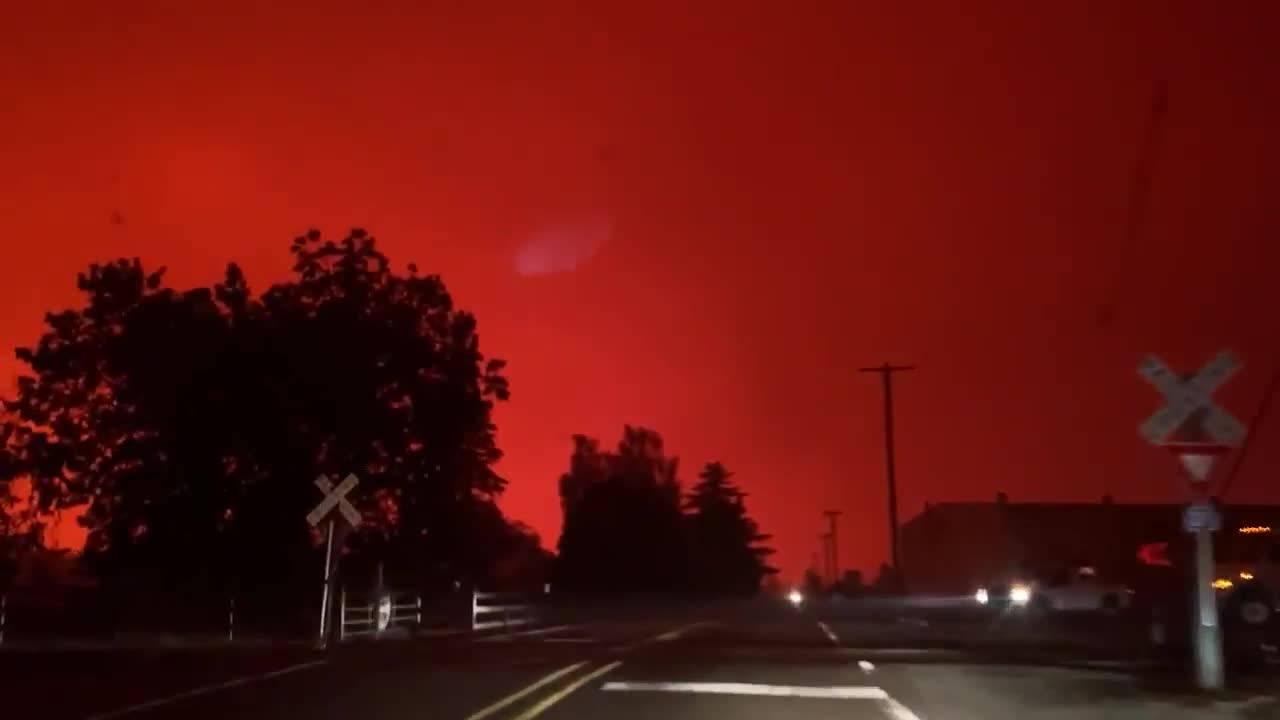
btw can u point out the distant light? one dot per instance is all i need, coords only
(866, 666)
(1020, 594)
(1246, 575)
(1254, 529)
(1222, 584)
(795, 597)
(982, 596)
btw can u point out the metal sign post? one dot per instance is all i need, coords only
(335, 497)
(1211, 430)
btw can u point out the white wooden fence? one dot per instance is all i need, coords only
(501, 610)
(378, 616)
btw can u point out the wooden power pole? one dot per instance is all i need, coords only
(835, 544)
(886, 378)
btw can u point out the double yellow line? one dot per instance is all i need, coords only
(542, 705)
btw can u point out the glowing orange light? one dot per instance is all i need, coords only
(1254, 529)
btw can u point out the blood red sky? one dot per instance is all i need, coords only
(784, 194)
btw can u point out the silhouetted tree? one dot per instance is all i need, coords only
(522, 563)
(20, 536)
(622, 526)
(192, 424)
(772, 585)
(851, 584)
(724, 541)
(813, 586)
(886, 581)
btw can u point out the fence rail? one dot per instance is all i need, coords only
(497, 610)
(363, 620)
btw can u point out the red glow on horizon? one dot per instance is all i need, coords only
(723, 211)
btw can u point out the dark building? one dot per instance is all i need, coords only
(952, 548)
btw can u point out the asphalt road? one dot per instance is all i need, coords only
(749, 664)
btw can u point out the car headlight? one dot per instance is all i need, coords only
(1020, 595)
(795, 597)
(981, 596)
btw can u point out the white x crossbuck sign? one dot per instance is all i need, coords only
(335, 497)
(1186, 396)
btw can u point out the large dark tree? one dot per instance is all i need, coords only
(724, 540)
(20, 536)
(622, 522)
(192, 423)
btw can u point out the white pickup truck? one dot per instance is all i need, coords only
(1080, 591)
(1077, 590)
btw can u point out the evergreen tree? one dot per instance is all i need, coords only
(724, 540)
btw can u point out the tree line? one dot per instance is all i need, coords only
(628, 527)
(189, 425)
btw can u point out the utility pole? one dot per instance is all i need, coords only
(886, 378)
(835, 544)
(825, 539)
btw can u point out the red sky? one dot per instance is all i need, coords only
(781, 193)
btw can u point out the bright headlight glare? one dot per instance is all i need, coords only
(981, 596)
(1020, 595)
(795, 597)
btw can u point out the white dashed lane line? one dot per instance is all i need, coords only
(846, 692)
(829, 633)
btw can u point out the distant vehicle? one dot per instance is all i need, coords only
(1004, 594)
(1247, 575)
(1077, 591)
(1082, 591)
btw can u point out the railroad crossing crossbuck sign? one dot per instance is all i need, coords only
(1189, 396)
(335, 497)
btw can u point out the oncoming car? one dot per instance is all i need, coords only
(1079, 590)
(1014, 594)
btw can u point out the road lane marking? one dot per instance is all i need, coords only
(846, 692)
(675, 634)
(565, 691)
(830, 634)
(204, 690)
(524, 691)
(668, 636)
(897, 710)
(525, 633)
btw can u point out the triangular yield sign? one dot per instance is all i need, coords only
(1197, 465)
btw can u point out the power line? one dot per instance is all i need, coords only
(1139, 193)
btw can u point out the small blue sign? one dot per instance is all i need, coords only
(1201, 516)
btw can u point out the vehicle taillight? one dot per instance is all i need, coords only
(1154, 554)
